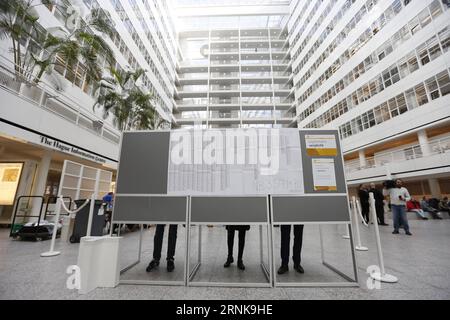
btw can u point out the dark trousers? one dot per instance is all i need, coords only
(158, 240)
(285, 244)
(230, 240)
(380, 213)
(365, 210)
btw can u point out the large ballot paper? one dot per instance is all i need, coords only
(235, 162)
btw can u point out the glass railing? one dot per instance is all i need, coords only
(225, 75)
(255, 62)
(225, 50)
(224, 115)
(233, 101)
(434, 147)
(224, 88)
(256, 74)
(192, 76)
(224, 62)
(44, 96)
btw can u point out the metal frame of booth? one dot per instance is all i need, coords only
(267, 270)
(349, 281)
(141, 224)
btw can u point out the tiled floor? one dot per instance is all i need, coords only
(421, 262)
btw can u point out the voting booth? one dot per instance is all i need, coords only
(263, 178)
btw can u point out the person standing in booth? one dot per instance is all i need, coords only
(297, 248)
(230, 241)
(157, 247)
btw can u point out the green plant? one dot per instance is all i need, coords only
(131, 107)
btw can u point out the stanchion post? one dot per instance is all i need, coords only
(91, 215)
(382, 275)
(359, 246)
(52, 252)
(347, 236)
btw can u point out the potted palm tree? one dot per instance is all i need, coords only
(123, 97)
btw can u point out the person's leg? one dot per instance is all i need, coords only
(380, 214)
(172, 242)
(396, 217)
(157, 241)
(297, 249)
(404, 219)
(241, 244)
(157, 247)
(230, 240)
(241, 249)
(285, 243)
(420, 213)
(365, 213)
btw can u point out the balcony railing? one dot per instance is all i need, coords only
(435, 147)
(46, 97)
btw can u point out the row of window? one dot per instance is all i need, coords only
(379, 54)
(425, 53)
(305, 24)
(324, 35)
(423, 93)
(363, 12)
(171, 35)
(130, 57)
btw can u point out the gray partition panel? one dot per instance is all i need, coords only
(307, 163)
(310, 209)
(144, 162)
(150, 209)
(229, 209)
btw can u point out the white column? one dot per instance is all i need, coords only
(41, 180)
(362, 159)
(435, 189)
(424, 143)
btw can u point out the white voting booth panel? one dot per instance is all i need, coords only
(159, 182)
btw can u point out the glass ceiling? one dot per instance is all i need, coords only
(197, 3)
(238, 20)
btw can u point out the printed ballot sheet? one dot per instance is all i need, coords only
(324, 175)
(252, 162)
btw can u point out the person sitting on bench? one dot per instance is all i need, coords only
(414, 206)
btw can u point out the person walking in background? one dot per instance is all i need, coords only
(427, 208)
(379, 204)
(398, 196)
(231, 230)
(414, 206)
(363, 195)
(157, 247)
(443, 205)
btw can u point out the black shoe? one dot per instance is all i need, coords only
(283, 269)
(395, 232)
(152, 265)
(170, 265)
(299, 269)
(227, 264)
(241, 265)
(408, 233)
(383, 224)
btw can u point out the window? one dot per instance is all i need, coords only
(411, 99)
(444, 83)
(444, 37)
(433, 88)
(421, 94)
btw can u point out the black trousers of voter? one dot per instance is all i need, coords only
(380, 213)
(158, 240)
(365, 210)
(285, 244)
(230, 240)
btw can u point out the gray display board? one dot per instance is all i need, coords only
(251, 210)
(143, 171)
(150, 209)
(307, 163)
(308, 209)
(144, 162)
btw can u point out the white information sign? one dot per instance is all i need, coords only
(324, 175)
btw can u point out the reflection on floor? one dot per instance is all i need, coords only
(420, 262)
